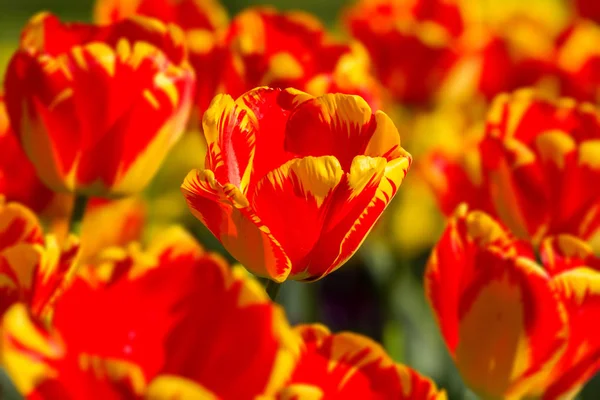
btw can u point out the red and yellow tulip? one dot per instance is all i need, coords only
(293, 183)
(171, 320)
(346, 365)
(515, 328)
(539, 156)
(97, 108)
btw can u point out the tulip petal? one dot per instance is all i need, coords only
(18, 225)
(579, 289)
(27, 349)
(334, 124)
(347, 365)
(54, 373)
(225, 211)
(305, 185)
(565, 252)
(357, 205)
(245, 137)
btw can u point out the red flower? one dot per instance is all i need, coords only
(293, 183)
(539, 157)
(133, 323)
(347, 365)
(97, 108)
(514, 328)
(410, 43)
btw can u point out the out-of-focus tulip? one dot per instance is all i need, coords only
(514, 328)
(97, 108)
(293, 183)
(410, 42)
(32, 270)
(172, 320)
(293, 49)
(539, 157)
(347, 365)
(203, 22)
(578, 60)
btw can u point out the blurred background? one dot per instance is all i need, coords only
(379, 292)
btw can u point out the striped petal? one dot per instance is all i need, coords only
(333, 124)
(21, 253)
(565, 252)
(226, 212)
(245, 137)
(307, 186)
(347, 365)
(18, 224)
(51, 371)
(359, 201)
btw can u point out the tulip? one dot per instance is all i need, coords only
(515, 328)
(347, 365)
(97, 108)
(293, 183)
(172, 320)
(539, 156)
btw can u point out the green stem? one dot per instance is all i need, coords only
(77, 214)
(272, 289)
